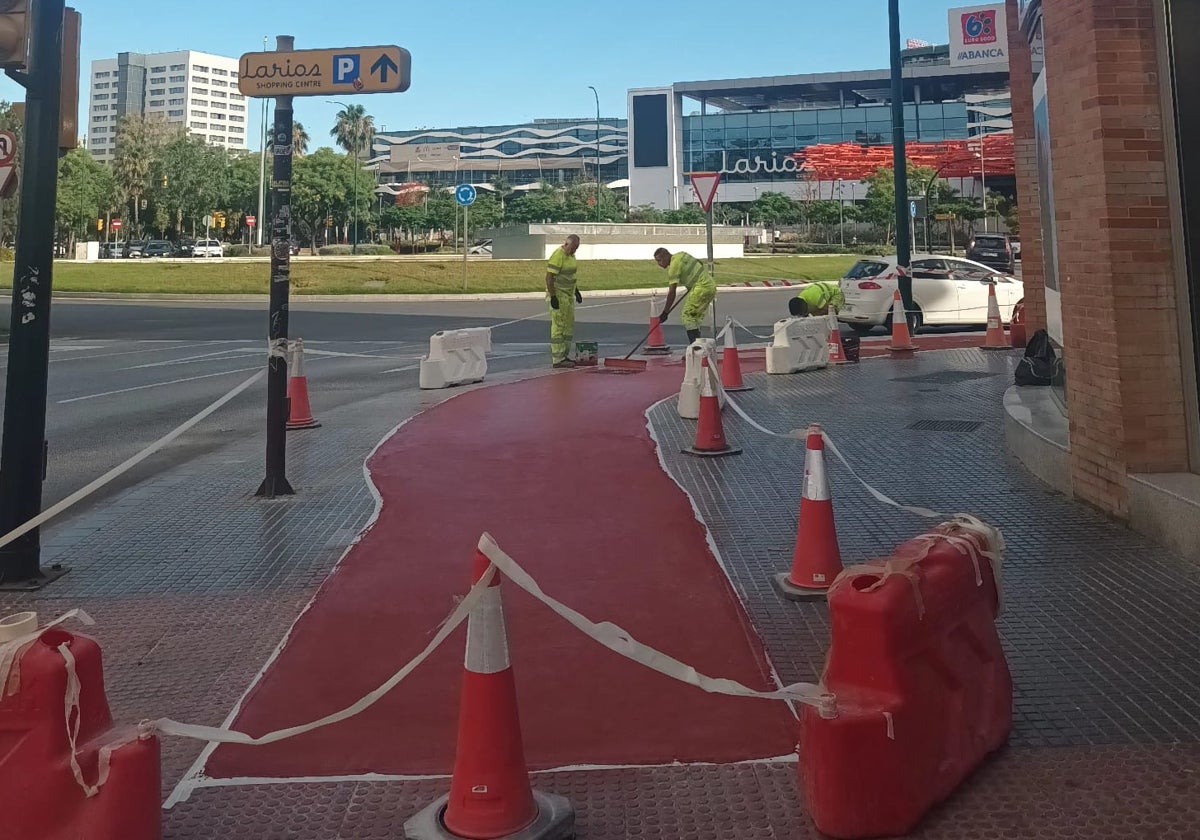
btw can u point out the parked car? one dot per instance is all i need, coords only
(134, 249)
(158, 248)
(482, 247)
(207, 248)
(946, 291)
(183, 248)
(112, 250)
(992, 249)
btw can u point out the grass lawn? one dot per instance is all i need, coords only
(331, 277)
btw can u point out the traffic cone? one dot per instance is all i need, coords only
(901, 337)
(837, 355)
(731, 363)
(490, 795)
(995, 339)
(655, 345)
(300, 414)
(710, 434)
(816, 560)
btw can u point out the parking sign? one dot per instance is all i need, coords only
(346, 68)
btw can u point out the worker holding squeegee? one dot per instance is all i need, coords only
(563, 295)
(701, 290)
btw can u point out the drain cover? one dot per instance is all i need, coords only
(946, 425)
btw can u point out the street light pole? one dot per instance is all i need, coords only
(597, 95)
(841, 215)
(900, 161)
(262, 168)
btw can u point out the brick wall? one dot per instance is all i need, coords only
(1124, 388)
(1029, 209)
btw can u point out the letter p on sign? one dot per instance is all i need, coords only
(345, 69)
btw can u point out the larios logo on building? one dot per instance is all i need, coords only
(978, 36)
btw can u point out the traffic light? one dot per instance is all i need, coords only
(99, 224)
(164, 182)
(14, 34)
(219, 218)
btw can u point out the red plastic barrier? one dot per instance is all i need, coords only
(40, 798)
(923, 690)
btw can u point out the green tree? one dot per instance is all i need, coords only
(579, 203)
(139, 146)
(536, 206)
(85, 193)
(192, 180)
(501, 189)
(485, 213)
(645, 214)
(354, 130)
(321, 187)
(775, 209)
(687, 215)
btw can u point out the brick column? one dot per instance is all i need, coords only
(1029, 197)
(1124, 388)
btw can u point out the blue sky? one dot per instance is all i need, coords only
(481, 62)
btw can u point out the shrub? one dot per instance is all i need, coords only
(363, 250)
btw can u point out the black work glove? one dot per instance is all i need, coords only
(554, 301)
(578, 297)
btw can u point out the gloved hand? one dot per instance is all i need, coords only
(578, 297)
(554, 301)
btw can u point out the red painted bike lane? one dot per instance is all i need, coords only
(561, 470)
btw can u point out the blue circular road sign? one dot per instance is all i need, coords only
(912, 209)
(465, 195)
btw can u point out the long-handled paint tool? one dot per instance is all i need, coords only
(636, 365)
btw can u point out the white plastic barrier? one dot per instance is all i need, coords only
(800, 344)
(456, 357)
(693, 370)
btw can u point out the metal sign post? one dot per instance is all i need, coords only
(705, 184)
(465, 196)
(284, 74)
(275, 483)
(23, 454)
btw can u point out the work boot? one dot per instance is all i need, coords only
(565, 363)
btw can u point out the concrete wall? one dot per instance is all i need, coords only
(614, 242)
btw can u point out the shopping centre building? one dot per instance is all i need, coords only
(1106, 115)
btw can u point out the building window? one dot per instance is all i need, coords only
(105, 75)
(175, 67)
(238, 108)
(175, 102)
(217, 71)
(218, 94)
(177, 79)
(237, 97)
(219, 83)
(199, 80)
(199, 68)
(158, 69)
(203, 102)
(157, 103)
(100, 96)
(198, 125)
(176, 114)
(218, 105)
(216, 116)
(199, 113)
(175, 90)
(237, 119)
(157, 91)
(159, 81)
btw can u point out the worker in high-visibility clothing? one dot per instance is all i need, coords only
(563, 294)
(820, 298)
(699, 287)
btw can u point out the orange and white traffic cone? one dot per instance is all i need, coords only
(731, 363)
(837, 354)
(655, 345)
(490, 795)
(300, 414)
(995, 339)
(901, 337)
(817, 559)
(710, 433)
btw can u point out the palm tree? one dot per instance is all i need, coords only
(300, 139)
(354, 130)
(502, 189)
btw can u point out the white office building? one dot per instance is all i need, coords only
(192, 89)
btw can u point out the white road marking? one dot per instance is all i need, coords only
(157, 385)
(198, 358)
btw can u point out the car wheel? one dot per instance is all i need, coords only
(916, 320)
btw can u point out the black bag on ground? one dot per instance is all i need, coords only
(1040, 364)
(851, 346)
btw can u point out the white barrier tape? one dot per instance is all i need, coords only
(621, 642)
(578, 308)
(219, 735)
(10, 652)
(278, 348)
(119, 470)
(799, 435)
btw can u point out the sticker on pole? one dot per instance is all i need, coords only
(704, 184)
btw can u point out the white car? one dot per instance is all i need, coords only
(207, 248)
(947, 291)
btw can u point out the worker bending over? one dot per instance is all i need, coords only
(700, 289)
(563, 295)
(820, 298)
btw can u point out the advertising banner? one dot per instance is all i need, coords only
(979, 36)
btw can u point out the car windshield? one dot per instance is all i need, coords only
(866, 268)
(989, 241)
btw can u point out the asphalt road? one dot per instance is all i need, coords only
(125, 373)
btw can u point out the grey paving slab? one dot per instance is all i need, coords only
(1101, 626)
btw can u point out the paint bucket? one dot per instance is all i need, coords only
(586, 353)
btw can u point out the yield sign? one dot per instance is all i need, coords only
(704, 184)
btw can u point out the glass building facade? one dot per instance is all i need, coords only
(715, 142)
